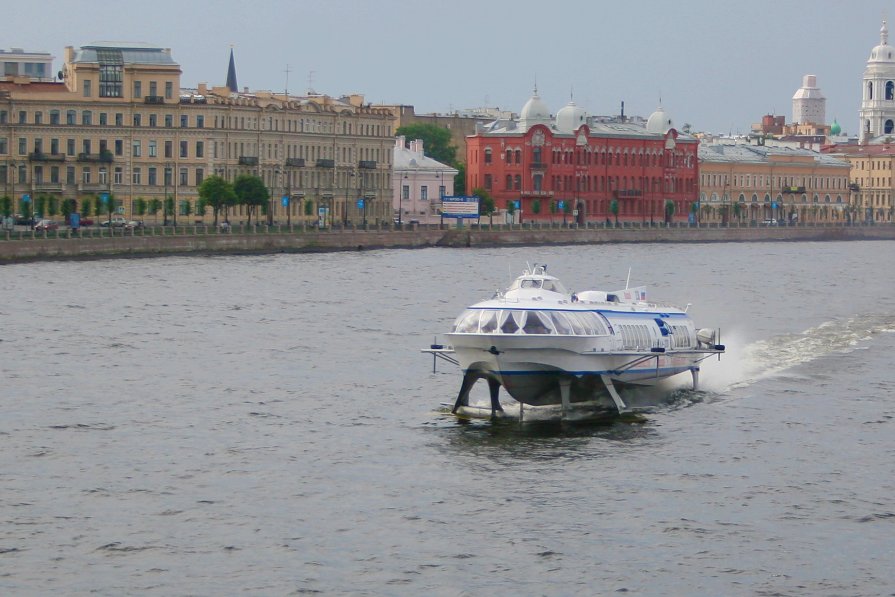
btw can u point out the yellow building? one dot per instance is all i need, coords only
(872, 168)
(742, 183)
(121, 124)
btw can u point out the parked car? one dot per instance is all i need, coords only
(133, 224)
(44, 225)
(116, 222)
(21, 220)
(770, 222)
(86, 221)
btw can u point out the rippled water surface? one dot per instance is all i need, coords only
(268, 426)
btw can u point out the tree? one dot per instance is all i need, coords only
(140, 206)
(251, 192)
(309, 207)
(436, 141)
(86, 207)
(68, 208)
(217, 193)
(155, 206)
(486, 203)
(536, 207)
(40, 205)
(566, 210)
(460, 179)
(613, 209)
(109, 206)
(168, 207)
(511, 209)
(6, 206)
(52, 205)
(669, 210)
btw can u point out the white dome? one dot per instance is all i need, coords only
(883, 52)
(659, 122)
(535, 109)
(570, 117)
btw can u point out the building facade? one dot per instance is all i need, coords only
(575, 167)
(746, 183)
(120, 124)
(420, 183)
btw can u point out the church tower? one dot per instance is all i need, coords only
(877, 112)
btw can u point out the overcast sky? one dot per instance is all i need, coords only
(719, 65)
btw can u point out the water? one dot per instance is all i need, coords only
(267, 426)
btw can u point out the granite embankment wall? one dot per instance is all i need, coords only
(38, 247)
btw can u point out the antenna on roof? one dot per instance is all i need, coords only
(311, 83)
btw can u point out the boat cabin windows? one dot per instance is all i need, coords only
(544, 283)
(682, 337)
(520, 321)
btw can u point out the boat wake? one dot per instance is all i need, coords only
(746, 364)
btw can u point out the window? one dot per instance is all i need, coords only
(87, 88)
(70, 116)
(70, 147)
(103, 176)
(153, 89)
(200, 122)
(405, 192)
(152, 177)
(110, 80)
(103, 119)
(119, 175)
(119, 147)
(137, 152)
(183, 149)
(169, 149)
(487, 155)
(119, 119)
(86, 146)
(23, 117)
(3, 148)
(890, 90)
(183, 177)
(169, 90)
(200, 149)
(38, 117)
(184, 121)
(85, 175)
(424, 193)
(169, 120)
(138, 119)
(153, 149)
(153, 120)
(200, 176)
(138, 89)
(70, 175)
(86, 118)
(3, 117)
(23, 146)
(137, 176)
(487, 182)
(54, 146)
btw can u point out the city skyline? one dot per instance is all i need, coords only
(715, 66)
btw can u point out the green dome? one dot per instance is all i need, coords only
(835, 129)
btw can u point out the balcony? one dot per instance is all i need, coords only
(538, 166)
(154, 99)
(248, 160)
(367, 164)
(793, 190)
(93, 187)
(103, 156)
(854, 187)
(48, 187)
(295, 162)
(39, 156)
(326, 163)
(623, 193)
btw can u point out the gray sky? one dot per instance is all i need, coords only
(717, 64)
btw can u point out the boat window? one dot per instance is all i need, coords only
(577, 325)
(561, 322)
(592, 323)
(531, 283)
(509, 321)
(489, 322)
(468, 322)
(537, 323)
(555, 286)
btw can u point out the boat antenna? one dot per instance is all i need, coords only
(628, 281)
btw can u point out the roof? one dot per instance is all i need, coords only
(124, 53)
(758, 154)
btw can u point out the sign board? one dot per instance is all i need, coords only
(74, 220)
(26, 198)
(560, 204)
(459, 206)
(322, 214)
(104, 197)
(285, 200)
(360, 203)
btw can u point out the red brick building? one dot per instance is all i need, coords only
(576, 166)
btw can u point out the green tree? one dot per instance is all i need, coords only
(536, 207)
(486, 203)
(218, 194)
(613, 209)
(140, 207)
(52, 205)
(168, 207)
(86, 207)
(108, 206)
(187, 206)
(154, 206)
(6, 206)
(669, 210)
(460, 179)
(309, 207)
(68, 208)
(436, 141)
(566, 210)
(40, 205)
(251, 192)
(511, 209)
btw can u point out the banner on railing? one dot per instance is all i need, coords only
(459, 206)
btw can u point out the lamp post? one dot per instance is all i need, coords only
(401, 203)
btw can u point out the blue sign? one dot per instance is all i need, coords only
(285, 200)
(774, 205)
(459, 206)
(360, 203)
(517, 204)
(74, 220)
(561, 204)
(104, 197)
(26, 198)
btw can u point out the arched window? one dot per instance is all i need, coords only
(869, 90)
(536, 155)
(890, 90)
(517, 183)
(754, 198)
(509, 183)
(889, 126)
(518, 156)
(487, 155)
(509, 156)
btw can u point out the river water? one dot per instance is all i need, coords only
(266, 425)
